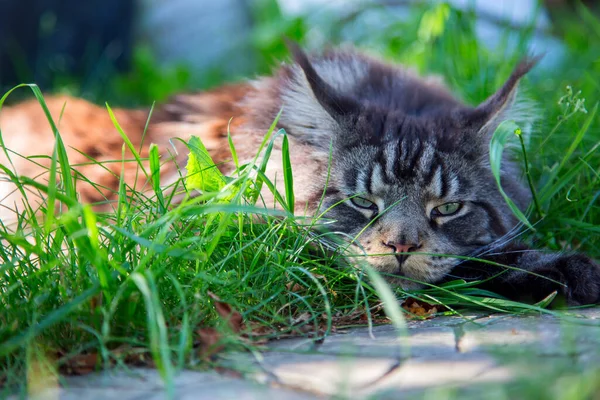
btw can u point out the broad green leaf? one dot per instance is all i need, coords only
(202, 173)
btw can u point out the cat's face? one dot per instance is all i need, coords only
(410, 169)
(414, 193)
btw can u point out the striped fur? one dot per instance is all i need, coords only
(384, 149)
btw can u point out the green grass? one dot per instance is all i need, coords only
(135, 282)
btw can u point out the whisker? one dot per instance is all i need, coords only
(514, 252)
(497, 244)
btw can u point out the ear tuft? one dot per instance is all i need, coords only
(493, 110)
(337, 105)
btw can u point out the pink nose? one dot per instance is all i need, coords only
(401, 248)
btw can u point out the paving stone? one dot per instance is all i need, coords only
(388, 342)
(331, 375)
(453, 351)
(426, 374)
(427, 338)
(538, 336)
(444, 320)
(445, 352)
(146, 384)
(315, 372)
(357, 362)
(590, 313)
(357, 377)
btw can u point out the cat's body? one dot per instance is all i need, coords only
(409, 167)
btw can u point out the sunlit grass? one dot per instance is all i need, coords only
(135, 280)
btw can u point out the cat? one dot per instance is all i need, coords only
(393, 160)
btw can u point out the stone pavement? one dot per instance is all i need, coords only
(448, 355)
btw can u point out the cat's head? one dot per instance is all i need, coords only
(409, 167)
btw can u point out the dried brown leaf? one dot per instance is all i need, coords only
(136, 356)
(294, 287)
(422, 309)
(257, 332)
(81, 364)
(302, 318)
(233, 318)
(208, 340)
(95, 303)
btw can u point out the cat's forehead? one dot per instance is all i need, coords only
(404, 166)
(380, 125)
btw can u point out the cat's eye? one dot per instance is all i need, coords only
(446, 210)
(361, 202)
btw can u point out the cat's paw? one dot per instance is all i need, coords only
(582, 277)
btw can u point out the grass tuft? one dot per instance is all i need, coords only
(131, 285)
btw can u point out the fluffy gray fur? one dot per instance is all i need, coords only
(410, 175)
(408, 146)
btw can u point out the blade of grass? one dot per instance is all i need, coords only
(159, 344)
(127, 141)
(232, 147)
(155, 175)
(499, 140)
(391, 307)
(288, 178)
(578, 137)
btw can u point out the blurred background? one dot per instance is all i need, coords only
(137, 51)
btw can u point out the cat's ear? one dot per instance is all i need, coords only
(338, 106)
(487, 116)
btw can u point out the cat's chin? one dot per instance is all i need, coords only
(405, 284)
(413, 274)
(402, 277)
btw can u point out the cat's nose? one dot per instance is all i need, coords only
(402, 247)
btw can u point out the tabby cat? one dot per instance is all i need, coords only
(405, 161)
